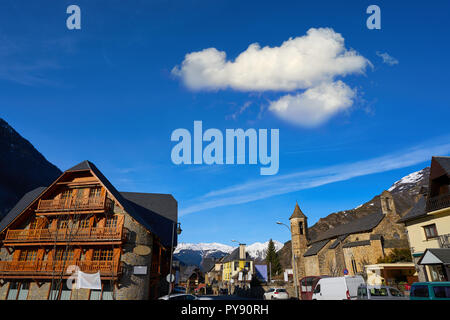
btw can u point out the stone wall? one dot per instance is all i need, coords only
(130, 286)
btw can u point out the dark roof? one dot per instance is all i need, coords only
(315, 248)
(444, 162)
(297, 212)
(155, 223)
(23, 203)
(234, 255)
(365, 223)
(357, 244)
(163, 204)
(417, 211)
(338, 240)
(84, 165)
(208, 264)
(442, 254)
(187, 271)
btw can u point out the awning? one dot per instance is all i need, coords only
(435, 256)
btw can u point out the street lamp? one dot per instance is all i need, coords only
(293, 261)
(171, 253)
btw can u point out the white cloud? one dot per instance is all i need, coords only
(388, 59)
(299, 63)
(315, 105)
(281, 184)
(309, 64)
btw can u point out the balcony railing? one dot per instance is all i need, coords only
(54, 269)
(439, 202)
(74, 204)
(444, 240)
(63, 235)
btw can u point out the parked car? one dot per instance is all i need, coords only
(179, 289)
(430, 291)
(276, 294)
(307, 285)
(178, 296)
(337, 288)
(366, 292)
(223, 291)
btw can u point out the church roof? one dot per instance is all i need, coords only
(315, 248)
(297, 212)
(363, 224)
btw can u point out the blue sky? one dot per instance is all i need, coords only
(108, 93)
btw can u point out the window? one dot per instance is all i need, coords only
(63, 224)
(66, 293)
(95, 295)
(80, 193)
(419, 291)
(61, 292)
(395, 292)
(84, 223)
(430, 231)
(354, 266)
(64, 255)
(28, 255)
(300, 227)
(13, 291)
(378, 292)
(33, 224)
(442, 291)
(95, 192)
(317, 289)
(102, 255)
(67, 194)
(387, 204)
(23, 291)
(362, 293)
(111, 222)
(107, 292)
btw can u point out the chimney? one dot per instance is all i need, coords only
(242, 255)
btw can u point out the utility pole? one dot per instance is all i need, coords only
(270, 271)
(171, 255)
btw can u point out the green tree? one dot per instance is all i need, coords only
(397, 255)
(272, 259)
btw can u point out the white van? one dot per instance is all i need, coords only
(337, 288)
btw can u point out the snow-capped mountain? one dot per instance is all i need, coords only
(195, 253)
(410, 181)
(205, 247)
(258, 250)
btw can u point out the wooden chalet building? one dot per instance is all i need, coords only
(82, 220)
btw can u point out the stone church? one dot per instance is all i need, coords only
(348, 246)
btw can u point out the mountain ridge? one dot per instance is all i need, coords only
(22, 168)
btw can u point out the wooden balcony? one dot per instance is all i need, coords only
(48, 269)
(439, 202)
(49, 236)
(74, 204)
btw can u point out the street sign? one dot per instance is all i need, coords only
(170, 278)
(345, 271)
